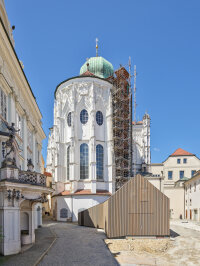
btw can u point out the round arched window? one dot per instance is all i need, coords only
(84, 116)
(99, 118)
(69, 119)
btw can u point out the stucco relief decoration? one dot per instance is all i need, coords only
(101, 99)
(83, 89)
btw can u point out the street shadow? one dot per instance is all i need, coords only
(173, 233)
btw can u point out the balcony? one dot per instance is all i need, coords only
(32, 178)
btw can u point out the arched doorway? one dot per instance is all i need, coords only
(24, 227)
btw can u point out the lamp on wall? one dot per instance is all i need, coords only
(9, 194)
(14, 194)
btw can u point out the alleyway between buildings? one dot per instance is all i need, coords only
(60, 244)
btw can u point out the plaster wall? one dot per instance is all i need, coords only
(10, 224)
(141, 144)
(156, 169)
(192, 198)
(76, 204)
(157, 182)
(176, 196)
(193, 163)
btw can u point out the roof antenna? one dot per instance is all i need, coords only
(97, 47)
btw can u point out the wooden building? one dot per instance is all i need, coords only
(136, 209)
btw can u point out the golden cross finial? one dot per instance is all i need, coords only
(97, 46)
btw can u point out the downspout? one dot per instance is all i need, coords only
(72, 207)
(184, 200)
(160, 183)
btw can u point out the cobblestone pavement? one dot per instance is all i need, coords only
(44, 238)
(78, 245)
(59, 244)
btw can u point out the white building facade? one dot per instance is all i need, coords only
(141, 145)
(22, 186)
(80, 148)
(192, 198)
(170, 177)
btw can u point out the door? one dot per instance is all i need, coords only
(195, 215)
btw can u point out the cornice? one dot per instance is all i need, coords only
(77, 79)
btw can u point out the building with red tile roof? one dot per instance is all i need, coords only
(171, 174)
(181, 152)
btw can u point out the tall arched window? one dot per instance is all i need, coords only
(68, 161)
(99, 159)
(99, 118)
(69, 119)
(84, 116)
(84, 162)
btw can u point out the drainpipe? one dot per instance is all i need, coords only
(184, 200)
(72, 207)
(160, 183)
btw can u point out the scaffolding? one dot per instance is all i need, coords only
(122, 125)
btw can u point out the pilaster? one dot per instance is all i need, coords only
(25, 142)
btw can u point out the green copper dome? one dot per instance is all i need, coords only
(98, 66)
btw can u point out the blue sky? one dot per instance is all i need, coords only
(54, 38)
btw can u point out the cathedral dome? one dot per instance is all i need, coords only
(98, 66)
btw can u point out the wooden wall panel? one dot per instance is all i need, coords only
(136, 209)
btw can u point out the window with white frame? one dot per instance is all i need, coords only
(193, 172)
(3, 104)
(19, 124)
(170, 175)
(99, 163)
(30, 139)
(181, 174)
(84, 161)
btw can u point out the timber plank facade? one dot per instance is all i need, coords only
(136, 209)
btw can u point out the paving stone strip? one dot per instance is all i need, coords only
(45, 238)
(78, 246)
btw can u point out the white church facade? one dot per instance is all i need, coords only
(89, 151)
(80, 147)
(141, 145)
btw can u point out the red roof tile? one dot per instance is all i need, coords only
(66, 192)
(181, 152)
(137, 123)
(48, 174)
(85, 192)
